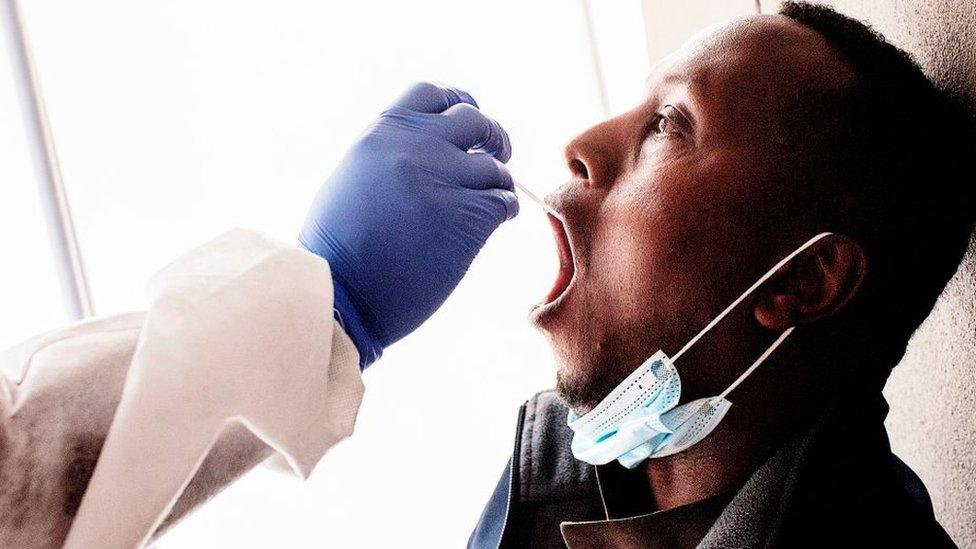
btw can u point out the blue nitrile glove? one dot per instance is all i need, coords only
(406, 211)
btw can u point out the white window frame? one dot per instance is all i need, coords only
(68, 261)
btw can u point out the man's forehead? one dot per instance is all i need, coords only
(764, 51)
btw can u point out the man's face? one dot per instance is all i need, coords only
(678, 205)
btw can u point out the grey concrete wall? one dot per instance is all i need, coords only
(933, 391)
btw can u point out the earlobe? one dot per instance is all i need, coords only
(818, 284)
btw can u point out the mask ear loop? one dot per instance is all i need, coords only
(739, 300)
(769, 350)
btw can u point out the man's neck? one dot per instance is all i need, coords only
(752, 430)
(723, 461)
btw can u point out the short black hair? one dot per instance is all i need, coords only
(898, 157)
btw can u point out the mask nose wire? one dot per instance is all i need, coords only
(739, 300)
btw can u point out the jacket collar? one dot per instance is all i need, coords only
(757, 514)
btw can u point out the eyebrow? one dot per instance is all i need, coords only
(671, 78)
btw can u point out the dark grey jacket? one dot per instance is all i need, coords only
(835, 485)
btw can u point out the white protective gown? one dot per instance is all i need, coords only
(238, 331)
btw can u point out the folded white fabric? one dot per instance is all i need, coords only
(238, 330)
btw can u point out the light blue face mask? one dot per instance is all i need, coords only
(640, 418)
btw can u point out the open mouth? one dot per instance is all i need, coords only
(567, 268)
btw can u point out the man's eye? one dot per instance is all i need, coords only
(663, 127)
(667, 126)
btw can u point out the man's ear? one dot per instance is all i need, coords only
(816, 284)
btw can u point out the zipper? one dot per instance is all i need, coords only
(513, 472)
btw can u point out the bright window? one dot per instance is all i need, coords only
(30, 299)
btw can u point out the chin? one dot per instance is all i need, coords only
(570, 386)
(580, 372)
(591, 362)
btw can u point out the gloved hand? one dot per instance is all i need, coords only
(407, 210)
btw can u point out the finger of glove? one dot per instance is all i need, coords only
(484, 172)
(431, 98)
(469, 129)
(507, 202)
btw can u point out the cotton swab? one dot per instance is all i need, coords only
(549, 209)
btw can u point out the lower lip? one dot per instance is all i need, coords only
(541, 310)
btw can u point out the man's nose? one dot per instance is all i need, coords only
(594, 157)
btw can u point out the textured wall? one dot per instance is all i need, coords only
(933, 427)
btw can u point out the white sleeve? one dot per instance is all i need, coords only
(238, 330)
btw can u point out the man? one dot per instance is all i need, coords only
(753, 139)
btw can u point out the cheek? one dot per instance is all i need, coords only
(646, 255)
(621, 270)
(624, 286)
